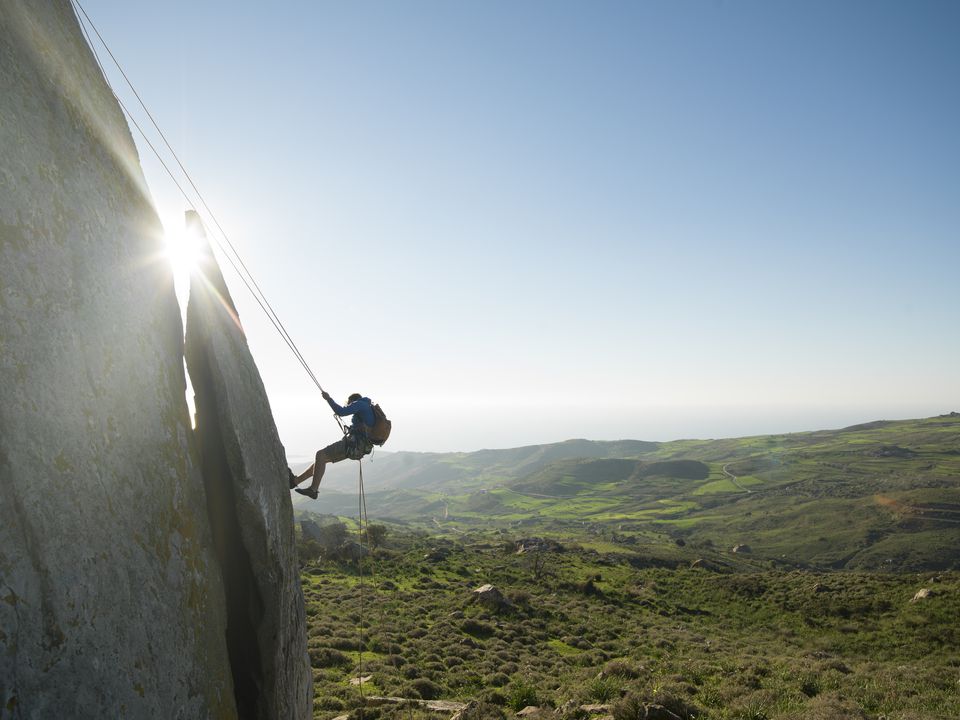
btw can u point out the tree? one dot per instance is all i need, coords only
(376, 535)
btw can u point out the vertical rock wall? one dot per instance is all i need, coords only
(245, 471)
(112, 599)
(111, 603)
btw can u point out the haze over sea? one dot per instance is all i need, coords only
(519, 223)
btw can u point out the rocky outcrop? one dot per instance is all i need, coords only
(329, 536)
(130, 584)
(248, 499)
(491, 598)
(111, 603)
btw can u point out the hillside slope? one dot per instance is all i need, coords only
(872, 496)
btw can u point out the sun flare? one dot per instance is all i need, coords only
(183, 251)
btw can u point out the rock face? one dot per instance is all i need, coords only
(245, 471)
(112, 600)
(112, 603)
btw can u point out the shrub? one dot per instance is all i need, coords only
(325, 657)
(603, 689)
(621, 669)
(522, 695)
(425, 689)
(344, 643)
(497, 680)
(519, 597)
(477, 629)
(482, 711)
(328, 703)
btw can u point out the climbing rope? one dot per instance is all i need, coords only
(360, 522)
(364, 525)
(243, 272)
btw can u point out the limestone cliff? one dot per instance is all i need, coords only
(112, 600)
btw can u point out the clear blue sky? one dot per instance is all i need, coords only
(522, 222)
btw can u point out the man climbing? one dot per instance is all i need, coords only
(358, 441)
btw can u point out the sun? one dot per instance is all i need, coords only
(183, 251)
(184, 248)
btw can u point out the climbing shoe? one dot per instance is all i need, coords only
(293, 479)
(312, 494)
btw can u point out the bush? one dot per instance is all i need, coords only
(482, 711)
(522, 695)
(603, 690)
(425, 689)
(344, 643)
(325, 657)
(477, 629)
(497, 680)
(494, 697)
(328, 703)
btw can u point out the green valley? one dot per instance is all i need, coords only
(879, 495)
(802, 576)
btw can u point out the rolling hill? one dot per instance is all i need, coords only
(881, 495)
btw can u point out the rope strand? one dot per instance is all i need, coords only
(239, 266)
(360, 523)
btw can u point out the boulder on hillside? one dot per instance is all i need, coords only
(352, 550)
(742, 548)
(475, 710)
(921, 594)
(329, 536)
(535, 712)
(490, 597)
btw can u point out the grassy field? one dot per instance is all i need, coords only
(592, 621)
(635, 594)
(597, 624)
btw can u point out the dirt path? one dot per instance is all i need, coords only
(733, 479)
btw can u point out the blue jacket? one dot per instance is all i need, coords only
(362, 411)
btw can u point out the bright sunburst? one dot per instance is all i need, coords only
(183, 251)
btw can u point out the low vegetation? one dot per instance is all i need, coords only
(810, 575)
(581, 625)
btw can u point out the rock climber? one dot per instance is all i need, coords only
(357, 442)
